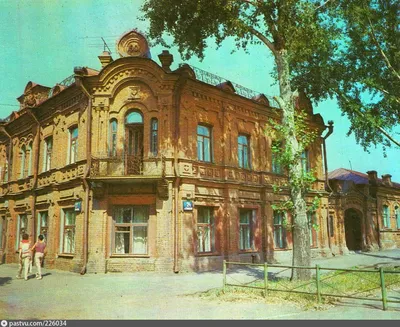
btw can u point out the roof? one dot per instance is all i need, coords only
(355, 176)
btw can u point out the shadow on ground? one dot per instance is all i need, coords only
(5, 280)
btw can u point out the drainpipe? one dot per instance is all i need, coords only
(35, 171)
(330, 131)
(177, 95)
(85, 178)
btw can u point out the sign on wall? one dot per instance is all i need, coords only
(187, 205)
(78, 206)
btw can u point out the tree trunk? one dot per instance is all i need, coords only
(301, 236)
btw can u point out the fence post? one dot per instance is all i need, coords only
(383, 288)
(224, 274)
(317, 275)
(265, 279)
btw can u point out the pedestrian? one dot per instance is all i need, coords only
(25, 256)
(39, 247)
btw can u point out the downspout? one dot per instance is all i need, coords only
(330, 131)
(35, 172)
(177, 97)
(85, 178)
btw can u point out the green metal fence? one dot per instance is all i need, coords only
(326, 282)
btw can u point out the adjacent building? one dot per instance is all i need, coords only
(364, 210)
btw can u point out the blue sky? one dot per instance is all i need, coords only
(43, 40)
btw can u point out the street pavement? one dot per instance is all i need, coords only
(130, 296)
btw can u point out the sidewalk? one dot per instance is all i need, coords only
(65, 295)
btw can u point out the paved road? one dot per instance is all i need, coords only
(65, 295)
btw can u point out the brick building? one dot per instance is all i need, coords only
(137, 167)
(365, 210)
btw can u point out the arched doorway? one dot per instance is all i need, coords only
(133, 142)
(352, 225)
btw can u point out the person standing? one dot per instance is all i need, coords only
(25, 256)
(40, 247)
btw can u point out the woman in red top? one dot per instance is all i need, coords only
(40, 247)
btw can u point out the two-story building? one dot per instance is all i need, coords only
(137, 167)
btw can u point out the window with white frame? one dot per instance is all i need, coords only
(43, 224)
(48, 149)
(246, 236)
(22, 228)
(279, 230)
(397, 216)
(112, 143)
(204, 143)
(244, 151)
(67, 239)
(386, 216)
(205, 229)
(131, 229)
(73, 145)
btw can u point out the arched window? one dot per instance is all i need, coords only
(134, 117)
(397, 216)
(29, 159)
(23, 153)
(112, 145)
(154, 136)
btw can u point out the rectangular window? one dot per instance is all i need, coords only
(245, 229)
(386, 217)
(204, 143)
(331, 226)
(43, 223)
(243, 152)
(154, 136)
(276, 165)
(312, 220)
(279, 230)
(112, 146)
(131, 230)
(397, 216)
(73, 145)
(68, 231)
(205, 230)
(305, 161)
(48, 149)
(22, 227)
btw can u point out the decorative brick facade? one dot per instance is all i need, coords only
(111, 156)
(365, 210)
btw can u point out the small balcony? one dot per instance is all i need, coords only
(127, 165)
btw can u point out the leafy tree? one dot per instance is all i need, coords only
(369, 64)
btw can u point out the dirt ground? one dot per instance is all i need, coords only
(65, 295)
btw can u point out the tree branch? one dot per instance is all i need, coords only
(320, 6)
(382, 130)
(388, 64)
